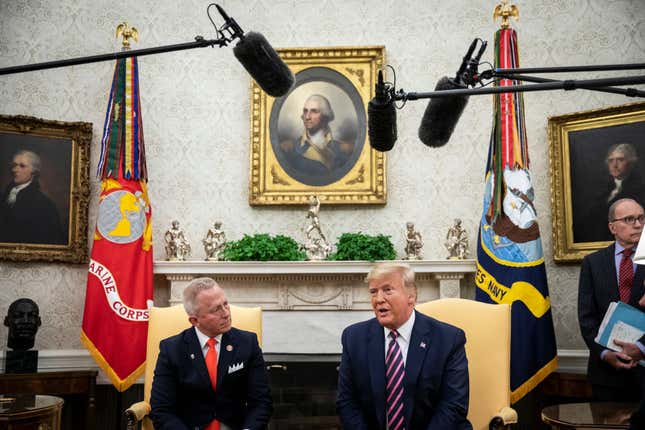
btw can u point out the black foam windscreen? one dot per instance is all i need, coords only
(381, 124)
(442, 114)
(264, 64)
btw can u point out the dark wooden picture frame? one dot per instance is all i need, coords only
(582, 184)
(48, 222)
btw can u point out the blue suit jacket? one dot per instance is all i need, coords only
(182, 396)
(436, 377)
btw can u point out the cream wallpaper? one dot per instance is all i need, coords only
(195, 106)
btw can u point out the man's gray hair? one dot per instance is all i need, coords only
(612, 209)
(191, 291)
(34, 160)
(630, 152)
(381, 270)
(325, 106)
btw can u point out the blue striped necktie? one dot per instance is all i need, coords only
(394, 373)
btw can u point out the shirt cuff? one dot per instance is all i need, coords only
(603, 353)
(641, 347)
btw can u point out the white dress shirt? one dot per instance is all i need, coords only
(405, 332)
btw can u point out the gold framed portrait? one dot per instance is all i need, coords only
(313, 140)
(597, 157)
(44, 197)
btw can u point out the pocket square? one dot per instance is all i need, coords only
(235, 367)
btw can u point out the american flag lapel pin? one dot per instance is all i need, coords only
(422, 345)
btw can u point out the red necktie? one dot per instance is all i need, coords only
(625, 276)
(211, 365)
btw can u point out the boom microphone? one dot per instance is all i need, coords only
(443, 113)
(381, 117)
(258, 58)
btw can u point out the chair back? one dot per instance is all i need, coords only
(488, 348)
(169, 321)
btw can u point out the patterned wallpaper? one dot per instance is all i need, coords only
(196, 116)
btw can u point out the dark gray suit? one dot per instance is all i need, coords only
(597, 288)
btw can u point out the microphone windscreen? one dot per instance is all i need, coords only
(381, 124)
(264, 64)
(442, 114)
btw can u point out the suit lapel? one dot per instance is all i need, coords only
(612, 290)
(227, 351)
(195, 354)
(376, 366)
(417, 350)
(638, 288)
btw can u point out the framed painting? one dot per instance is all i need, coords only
(597, 157)
(313, 140)
(44, 175)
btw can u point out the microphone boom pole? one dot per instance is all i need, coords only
(545, 86)
(199, 42)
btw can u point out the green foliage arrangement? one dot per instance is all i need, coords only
(262, 247)
(359, 246)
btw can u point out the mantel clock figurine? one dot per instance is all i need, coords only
(457, 242)
(214, 242)
(316, 246)
(177, 245)
(413, 243)
(23, 320)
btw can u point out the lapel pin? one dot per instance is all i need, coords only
(192, 356)
(422, 344)
(229, 348)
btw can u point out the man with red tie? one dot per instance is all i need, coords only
(606, 276)
(401, 370)
(211, 376)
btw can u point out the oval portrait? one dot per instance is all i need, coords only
(318, 129)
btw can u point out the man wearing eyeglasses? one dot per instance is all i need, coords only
(210, 376)
(609, 275)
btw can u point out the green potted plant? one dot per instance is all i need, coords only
(359, 246)
(263, 247)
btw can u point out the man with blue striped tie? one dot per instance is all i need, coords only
(401, 370)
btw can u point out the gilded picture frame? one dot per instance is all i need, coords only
(45, 165)
(340, 167)
(584, 148)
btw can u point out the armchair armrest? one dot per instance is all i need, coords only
(135, 413)
(505, 417)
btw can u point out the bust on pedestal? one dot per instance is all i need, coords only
(23, 320)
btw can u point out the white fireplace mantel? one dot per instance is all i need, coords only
(311, 285)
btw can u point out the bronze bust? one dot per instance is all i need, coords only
(23, 320)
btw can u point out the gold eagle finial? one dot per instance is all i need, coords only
(127, 33)
(504, 10)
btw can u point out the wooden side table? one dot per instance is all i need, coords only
(590, 415)
(28, 411)
(81, 382)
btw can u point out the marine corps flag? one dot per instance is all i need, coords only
(510, 262)
(119, 282)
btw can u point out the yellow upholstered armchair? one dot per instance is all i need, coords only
(488, 348)
(166, 322)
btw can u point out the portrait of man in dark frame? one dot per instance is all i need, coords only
(606, 164)
(35, 181)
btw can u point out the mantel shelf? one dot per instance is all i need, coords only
(303, 267)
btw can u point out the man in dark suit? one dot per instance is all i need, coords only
(187, 392)
(614, 376)
(402, 369)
